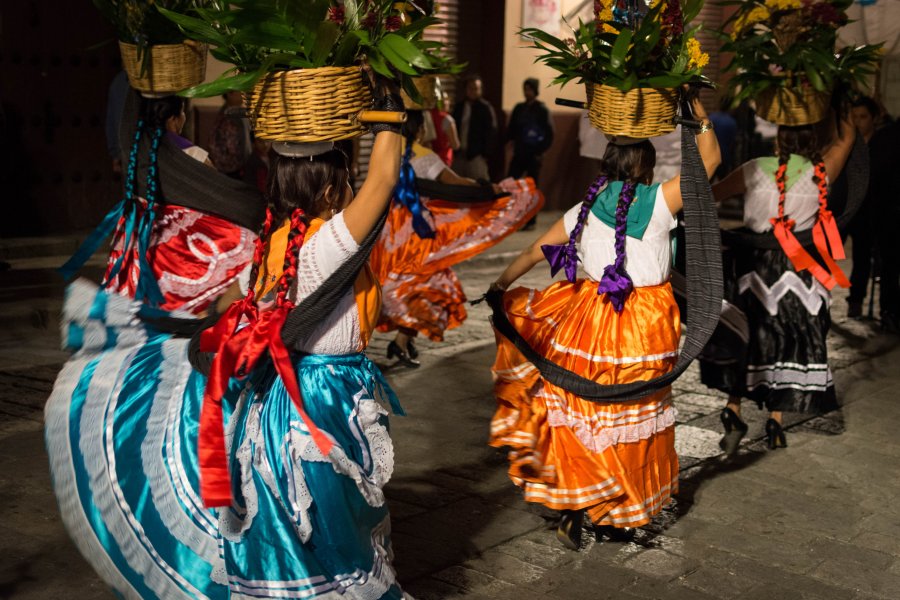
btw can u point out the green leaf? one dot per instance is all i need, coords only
(241, 82)
(814, 78)
(397, 61)
(418, 26)
(620, 49)
(277, 36)
(326, 37)
(405, 49)
(197, 29)
(376, 61)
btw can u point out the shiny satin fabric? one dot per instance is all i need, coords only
(194, 257)
(419, 290)
(122, 448)
(304, 524)
(617, 460)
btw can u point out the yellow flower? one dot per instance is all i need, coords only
(606, 15)
(607, 28)
(697, 58)
(784, 4)
(760, 13)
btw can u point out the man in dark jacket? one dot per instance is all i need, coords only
(477, 132)
(530, 130)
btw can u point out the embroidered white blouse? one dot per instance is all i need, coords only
(801, 202)
(648, 260)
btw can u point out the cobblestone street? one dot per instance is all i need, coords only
(817, 520)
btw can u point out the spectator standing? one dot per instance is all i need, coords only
(530, 130)
(864, 114)
(478, 131)
(884, 150)
(446, 139)
(229, 141)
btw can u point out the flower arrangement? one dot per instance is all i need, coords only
(262, 36)
(632, 44)
(791, 44)
(139, 22)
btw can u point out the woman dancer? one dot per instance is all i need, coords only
(615, 461)
(118, 433)
(783, 292)
(424, 238)
(299, 475)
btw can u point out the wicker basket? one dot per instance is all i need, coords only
(173, 67)
(790, 106)
(638, 113)
(309, 105)
(428, 87)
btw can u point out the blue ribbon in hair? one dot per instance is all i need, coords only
(134, 229)
(407, 194)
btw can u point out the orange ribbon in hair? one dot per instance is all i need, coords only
(825, 234)
(238, 352)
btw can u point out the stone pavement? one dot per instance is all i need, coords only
(817, 520)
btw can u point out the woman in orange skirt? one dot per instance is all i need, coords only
(425, 236)
(615, 461)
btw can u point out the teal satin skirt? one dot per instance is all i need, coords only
(121, 431)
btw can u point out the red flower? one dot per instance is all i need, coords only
(826, 14)
(393, 23)
(370, 20)
(336, 14)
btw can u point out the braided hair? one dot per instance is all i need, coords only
(138, 222)
(631, 164)
(803, 141)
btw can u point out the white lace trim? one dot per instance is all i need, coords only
(604, 428)
(194, 531)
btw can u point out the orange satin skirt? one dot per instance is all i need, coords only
(419, 289)
(616, 460)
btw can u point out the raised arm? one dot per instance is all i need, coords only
(708, 146)
(836, 157)
(531, 256)
(384, 168)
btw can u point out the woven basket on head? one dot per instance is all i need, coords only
(309, 105)
(790, 106)
(428, 86)
(638, 113)
(172, 67)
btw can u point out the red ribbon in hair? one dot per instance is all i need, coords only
(237, 353)
(825, 233)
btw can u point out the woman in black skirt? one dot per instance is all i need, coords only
(784, 292)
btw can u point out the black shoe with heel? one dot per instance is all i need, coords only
(394, 350)
(569, 530)
(411, 348)
(775, 435)
(735, 430)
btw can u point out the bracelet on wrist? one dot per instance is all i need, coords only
(705, 125)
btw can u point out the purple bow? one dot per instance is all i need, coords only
(616, 283)
(561, 256)
(565, 256)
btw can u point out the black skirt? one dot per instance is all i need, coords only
(783, 365)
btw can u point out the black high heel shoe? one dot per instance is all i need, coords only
(411, 348)
(394, 350)
(735, 430)
(569, 530)
(775, 435)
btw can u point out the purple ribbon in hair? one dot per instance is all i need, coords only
(564, 256)
(615, 281)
